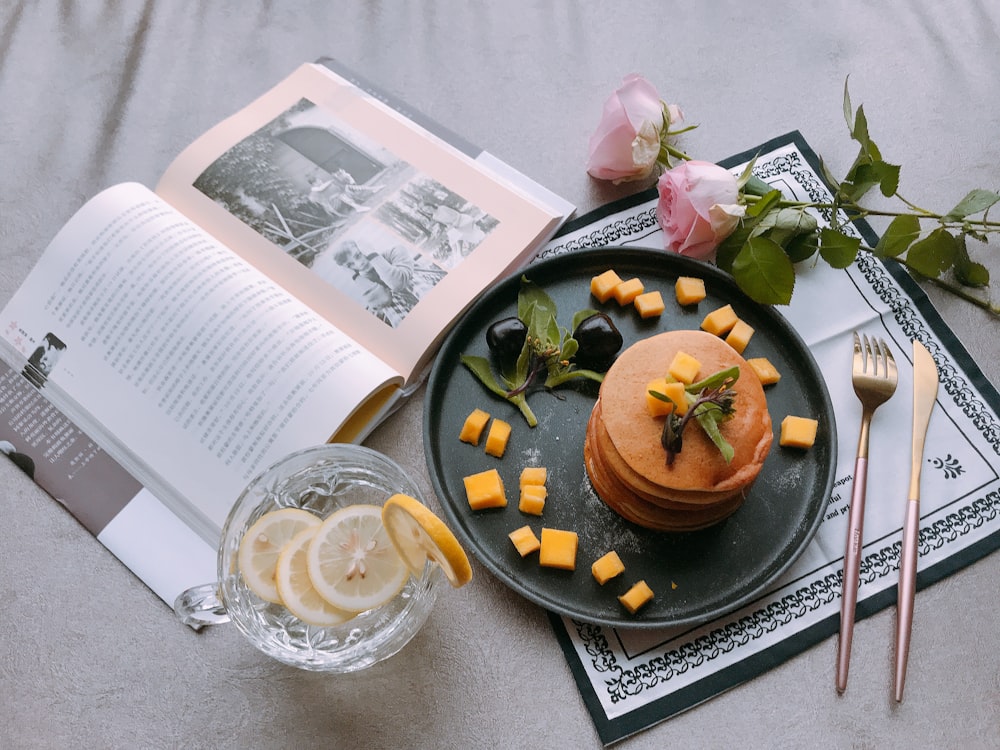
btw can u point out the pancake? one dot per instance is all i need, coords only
(626, 462)
(634, 508)
(653, 493)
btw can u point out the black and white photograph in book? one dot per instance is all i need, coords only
(43, 360)
(346, 207)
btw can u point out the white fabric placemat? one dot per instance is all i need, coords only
(631, 679)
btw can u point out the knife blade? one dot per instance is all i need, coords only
(925, 388)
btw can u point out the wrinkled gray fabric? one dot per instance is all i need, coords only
(93, 93)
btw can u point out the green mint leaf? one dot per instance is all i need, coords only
(532, 294)
(565, 374)
(975, 202)
(709, 416)
(537, 315)
(838, 249)
(569, 347)
(934, 254)
(480, 367)
(764, 272)
(902, 232)
(711, 382)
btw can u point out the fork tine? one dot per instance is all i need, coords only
(859, 362)
(890, 365)
(871, 363)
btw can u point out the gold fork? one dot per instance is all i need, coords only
(874, 378)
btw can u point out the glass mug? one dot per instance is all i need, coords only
(321, 480)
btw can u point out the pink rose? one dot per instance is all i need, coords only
(698, 208)
(626, 144)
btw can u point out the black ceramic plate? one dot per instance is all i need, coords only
(695, 576)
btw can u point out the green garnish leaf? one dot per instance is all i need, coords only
(546, 357)
(480, 367)
(710, 403)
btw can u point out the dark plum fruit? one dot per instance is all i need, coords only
(599, 342)
(505, 338)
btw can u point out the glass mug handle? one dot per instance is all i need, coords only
(201, 605)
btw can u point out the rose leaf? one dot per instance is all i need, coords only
(764, 272)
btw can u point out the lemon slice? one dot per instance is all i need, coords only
(291, 576)
(259, 548)
(419, 534)
(352, 563)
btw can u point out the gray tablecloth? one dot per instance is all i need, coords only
(94, 93)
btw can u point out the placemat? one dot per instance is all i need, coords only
(632, 679)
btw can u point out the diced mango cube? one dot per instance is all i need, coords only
(739, 336)
(798, 432)
(607, 567)
(525, 541)
(657, 407)
(472, 428)
(720, 321)
(532, 499)
(673, 390)
(603, 285)
(636, 597)
(533, 475)
(626, 292)
(766, 372)
(690, 290)
(649, 304)
(497, 437)
(558, 549)
(485, 490)
(684, 368)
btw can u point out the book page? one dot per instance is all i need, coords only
(379, 225)
(186, 356)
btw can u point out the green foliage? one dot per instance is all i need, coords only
(545, 359)
(764, 271)
(838, 249)
(900, 234)
(710, 403)
(777, 233)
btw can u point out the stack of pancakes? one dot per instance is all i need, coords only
(627, 463)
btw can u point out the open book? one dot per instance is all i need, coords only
(287, 282)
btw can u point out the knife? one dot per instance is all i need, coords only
(925, 387)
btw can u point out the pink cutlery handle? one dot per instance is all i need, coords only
(852, 569)
(907, 592)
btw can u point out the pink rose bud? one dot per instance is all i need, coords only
(626, 144)
(698, 208)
